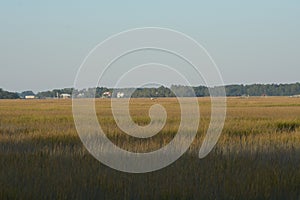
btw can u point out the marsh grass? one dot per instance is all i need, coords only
(287, 126)
(256, 157)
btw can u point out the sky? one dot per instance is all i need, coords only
(43, 43)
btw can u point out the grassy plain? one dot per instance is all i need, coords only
(256, 157)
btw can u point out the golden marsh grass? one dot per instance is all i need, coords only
(256, 157)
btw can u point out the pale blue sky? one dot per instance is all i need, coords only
(42, 44)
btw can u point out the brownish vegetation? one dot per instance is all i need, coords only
(257, 156)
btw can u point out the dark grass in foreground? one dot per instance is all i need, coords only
(257, 156)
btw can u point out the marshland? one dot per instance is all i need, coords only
(256, 157)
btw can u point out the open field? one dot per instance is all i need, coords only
(257, 156)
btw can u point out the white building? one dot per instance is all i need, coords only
(65, 96)
(80, 95)
(120, 94)
(29, 97)
(296, 96)
(106, 95)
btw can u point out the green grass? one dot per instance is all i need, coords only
(256, 157)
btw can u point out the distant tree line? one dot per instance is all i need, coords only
(54, 93)
(263, 89)
(179, 90)
(8, 95)
(22, 95)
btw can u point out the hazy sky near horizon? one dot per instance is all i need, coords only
(43, 43)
